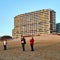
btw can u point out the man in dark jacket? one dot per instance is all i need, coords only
(31, 44)
(23, 42)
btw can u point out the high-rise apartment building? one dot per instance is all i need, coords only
(35, 23)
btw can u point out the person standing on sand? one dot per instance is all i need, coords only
(32, 43)
(23, 42)
(5, 44)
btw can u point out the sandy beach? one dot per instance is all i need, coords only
(46, 47)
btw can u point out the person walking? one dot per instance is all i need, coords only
(23, 42)
(32, 43)
(5, 44)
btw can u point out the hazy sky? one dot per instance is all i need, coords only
(10, 8)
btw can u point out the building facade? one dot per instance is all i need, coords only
(58, 28)
(35, 23)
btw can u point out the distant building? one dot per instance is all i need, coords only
(35, 23)
(58, 27)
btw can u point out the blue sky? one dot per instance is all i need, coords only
(10, 8)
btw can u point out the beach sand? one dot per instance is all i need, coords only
(46, 47)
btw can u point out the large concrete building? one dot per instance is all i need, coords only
(35, 23)
(58, 28)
